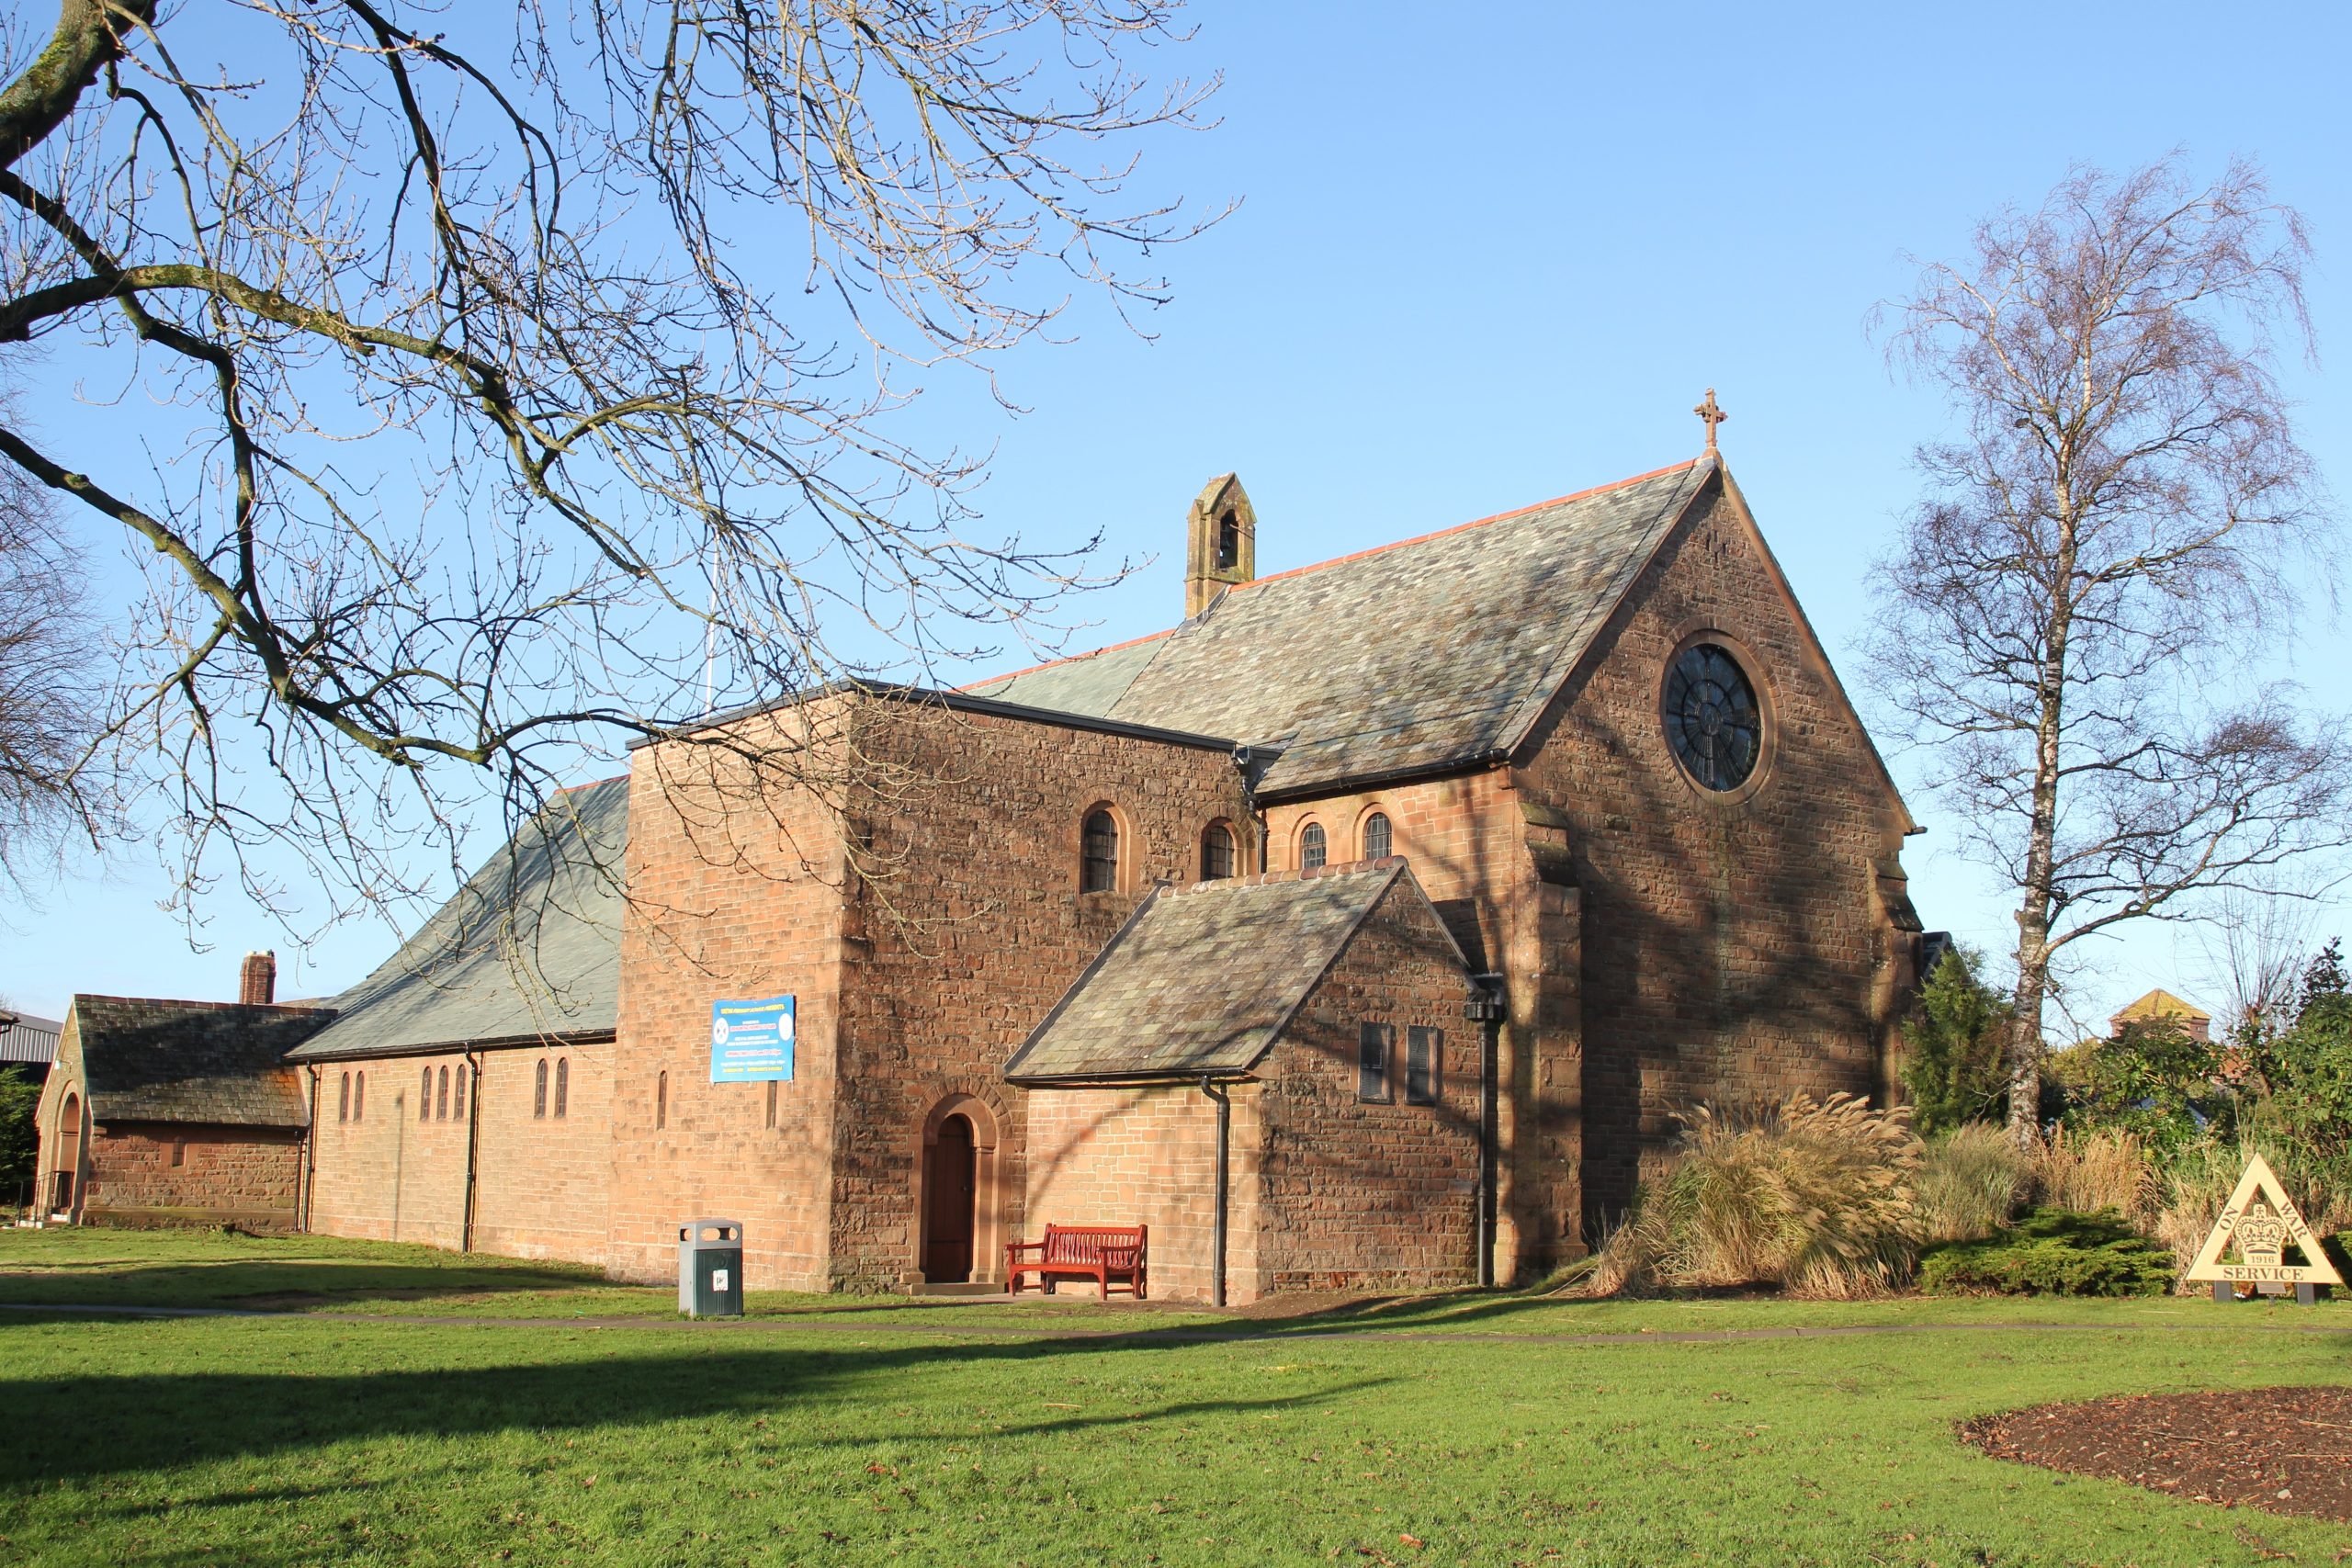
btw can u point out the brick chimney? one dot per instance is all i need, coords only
(257, 981)
(1220, 544)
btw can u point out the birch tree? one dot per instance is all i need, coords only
(2119, 537)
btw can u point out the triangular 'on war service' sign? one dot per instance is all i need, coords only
(2262, 1221)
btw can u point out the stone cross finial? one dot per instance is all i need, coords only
(1712, 412)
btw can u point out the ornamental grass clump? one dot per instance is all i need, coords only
(2084, 1172)
(1970, 1180)
(1815, 1196)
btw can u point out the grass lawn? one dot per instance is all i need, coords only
(1457, 1429)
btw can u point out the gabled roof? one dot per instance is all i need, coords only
(529, 948)
(1435, 652)
(217, 1063)
(1204, 979)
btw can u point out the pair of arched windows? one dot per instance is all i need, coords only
(1315, 847)
(434, 1104)
(351, 1104)
(562, 1089)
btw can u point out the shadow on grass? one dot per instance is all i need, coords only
(154, 1420)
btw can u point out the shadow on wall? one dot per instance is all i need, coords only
(164, 1420)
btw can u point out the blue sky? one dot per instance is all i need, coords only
(1486, 257)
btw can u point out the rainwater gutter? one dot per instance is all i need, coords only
(1224, 1098)
(1486, 1010)
(473, 1146)
(311, 1154)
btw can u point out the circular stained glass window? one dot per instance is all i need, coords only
(1712, 719)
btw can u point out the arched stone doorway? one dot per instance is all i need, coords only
(66, 1175)
(959, 1197)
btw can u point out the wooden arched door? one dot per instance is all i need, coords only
(949, 1198)
(69, 1155)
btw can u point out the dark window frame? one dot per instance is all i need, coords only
(425, 1095)
(1212, 850)
(441, 1100)
(1098, 852)
(1424, 1065)
(662, 1099)
(1314, 847)
(562, 1087)
(461, 1110)
(1379, 822)
(359, 1097)
(343, 1101)
(1376, 1054)
(539, 1092)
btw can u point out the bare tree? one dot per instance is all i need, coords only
(49, 688)
(2068, 616)
(529, 372)
(2257, 943)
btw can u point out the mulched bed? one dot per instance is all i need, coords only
(2285, 1449)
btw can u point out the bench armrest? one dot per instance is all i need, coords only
(1012, 1249)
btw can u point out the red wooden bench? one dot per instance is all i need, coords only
(1100, 1252)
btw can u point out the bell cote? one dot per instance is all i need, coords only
(1221, 547)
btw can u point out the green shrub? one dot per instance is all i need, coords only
(1816, 1196)
(1953, 1059)
(1969, 1182)
(2051, 1252)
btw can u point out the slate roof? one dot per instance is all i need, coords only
(1141, 1010)
(223, 1063)
(528, 949)
(1434, 652)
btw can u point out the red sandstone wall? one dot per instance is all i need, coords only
(1732, 948)
(993, 930)
(1483, 864)
(386, 1176)
(64, 1082)
(542, 1185)
(540, 1182)
(153, 1173)
(1123, 1156)
(1361, 1195)
(739, 894)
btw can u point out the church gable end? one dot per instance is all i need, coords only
(1740, 940)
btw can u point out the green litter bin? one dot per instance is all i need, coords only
(710, 1269)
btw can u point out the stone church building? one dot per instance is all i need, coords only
(1366, 929)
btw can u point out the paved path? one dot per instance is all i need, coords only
(1268, 1330)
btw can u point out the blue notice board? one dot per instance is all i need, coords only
(751, 1041)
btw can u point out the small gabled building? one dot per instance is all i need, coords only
(174, 1113)
(1325, 1107)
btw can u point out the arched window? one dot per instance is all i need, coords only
(1097, 869)
(461, 1092)
(662, 1099)
(1312, 852)
(562, 1085)
(1228, 541)
(441, 1105)
(343, 1101)
(424, 1097)
(1216, 852)
(1376, 836)
(359, 1097)
(539, 1090)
